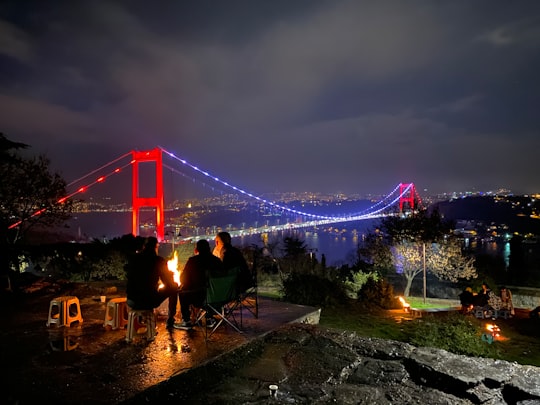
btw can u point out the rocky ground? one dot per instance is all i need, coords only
(311, 365)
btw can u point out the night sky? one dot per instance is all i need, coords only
(281, 95)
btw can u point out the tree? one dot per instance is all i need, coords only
(295, 255)
(408, 260)
(6, 148)
(420, 228)
(31, 196)
(294, 246)
(446, 261)
(374, 255)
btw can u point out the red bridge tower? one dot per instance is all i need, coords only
(156, 201)
(406, 195)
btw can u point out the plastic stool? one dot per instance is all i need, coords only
(63, 311)
(141, 322)
(116, 313)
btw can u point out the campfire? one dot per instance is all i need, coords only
(405, 304)
(173, 266)
(493, 333)
(494, 330)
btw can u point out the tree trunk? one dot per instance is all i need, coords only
(408, 285)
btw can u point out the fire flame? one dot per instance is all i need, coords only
(172, 265)
(406, 305)
(493, 329)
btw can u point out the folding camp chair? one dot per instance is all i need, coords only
(220, 302)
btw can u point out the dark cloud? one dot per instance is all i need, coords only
(305, 95)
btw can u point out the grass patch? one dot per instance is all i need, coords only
(451, 331)
(272, 293)
(418, 302)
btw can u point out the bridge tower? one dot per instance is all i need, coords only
(406, 195)
(156, 201)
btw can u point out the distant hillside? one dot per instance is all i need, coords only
(489, 210)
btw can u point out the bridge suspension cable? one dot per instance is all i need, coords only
(366, 213)
(403, 192)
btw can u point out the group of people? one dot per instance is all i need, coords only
(146, 269)
(486, 298)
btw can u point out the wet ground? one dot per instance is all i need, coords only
(88, 363)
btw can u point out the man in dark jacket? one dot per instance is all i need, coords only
(145, 270)
(193, 281)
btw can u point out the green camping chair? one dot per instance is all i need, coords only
(220, 302)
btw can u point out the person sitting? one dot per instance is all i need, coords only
(482, 298)
(233, 258)
(193, 278)
(506, 299)
(145, 271)
(466, 299)
(494, 304)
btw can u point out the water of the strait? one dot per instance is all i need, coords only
(337, 242)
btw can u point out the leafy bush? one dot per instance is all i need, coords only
(309, 289)
(378, 292)
(454, 333)
(355, 282)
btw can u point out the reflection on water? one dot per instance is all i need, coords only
(493, 248)
(498, 249)
(337, 245)
(338, 242)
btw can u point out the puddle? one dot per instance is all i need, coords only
(64, 340)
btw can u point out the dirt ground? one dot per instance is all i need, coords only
(36, 357)
(89, 363)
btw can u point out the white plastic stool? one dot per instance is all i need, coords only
(479, 312)
(116, 313)
(141, 322)
(63, 311)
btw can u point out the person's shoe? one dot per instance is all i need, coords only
(183, 325)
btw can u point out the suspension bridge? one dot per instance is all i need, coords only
(402, 197)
